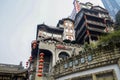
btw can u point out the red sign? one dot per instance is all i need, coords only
(62, 47)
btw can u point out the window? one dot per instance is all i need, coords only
(63, 55)
(71, 31)
(70, 64)
(82, 60)
(89, 58)
(65, 65)
(76, 62)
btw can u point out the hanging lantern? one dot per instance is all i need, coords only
(34, 42)
(41, 60)
(40, 67)
(27, 63)
(39, 74)
(40, 71)
(34, 46)
(41, 57)
(30, 58)
(41, 54)
(40, 64)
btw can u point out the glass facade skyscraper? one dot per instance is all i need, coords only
(113, 6)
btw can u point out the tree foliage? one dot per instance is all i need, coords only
(111, 37)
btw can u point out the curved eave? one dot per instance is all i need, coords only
(50, 29)
(13, 71)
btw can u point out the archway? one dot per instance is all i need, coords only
(63, 55)
(48, 59)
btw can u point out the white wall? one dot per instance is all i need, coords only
(115, 67)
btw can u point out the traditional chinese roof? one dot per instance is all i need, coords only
(10, 68)
(50, 29)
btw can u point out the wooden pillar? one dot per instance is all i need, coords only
(106, 29)
(94, 77)
(88, 33)
(85, 17)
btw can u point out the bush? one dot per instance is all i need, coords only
(111, 37)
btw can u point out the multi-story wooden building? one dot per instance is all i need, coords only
(92, 23)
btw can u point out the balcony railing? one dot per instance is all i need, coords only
(96, 29)
(97, 23)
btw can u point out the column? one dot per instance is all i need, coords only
(94, 77)
(54, 59)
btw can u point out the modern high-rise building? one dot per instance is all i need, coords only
(113, 6)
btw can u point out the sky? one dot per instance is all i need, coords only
(19, 20)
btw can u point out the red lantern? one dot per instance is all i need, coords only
(40, 67)
(40, 71)
(41, 54)
(41, 57)
(41, 64)
(34, 41)
(39, 74)
(30, 57)
(26, 63)
(41, 60)
(34, 45)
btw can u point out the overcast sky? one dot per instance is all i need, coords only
(19, 20)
